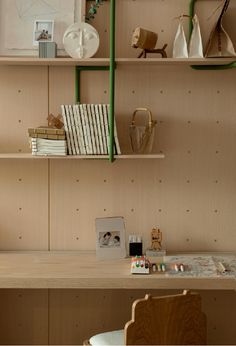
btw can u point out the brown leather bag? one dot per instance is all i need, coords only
(220, 44)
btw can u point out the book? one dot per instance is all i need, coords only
(92, 132)
(78, 125)
(104, 139)
(102, 150)
(105, 117)
(66, 125)
(46, 130)
(74, 130)
(95, 128)
(84, 127)
(86, 119)
(47, 136)
(70, 130)
(42, 146)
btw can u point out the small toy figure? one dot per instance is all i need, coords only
(156, 237)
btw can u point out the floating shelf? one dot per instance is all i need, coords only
(28, 61)
(79, 157)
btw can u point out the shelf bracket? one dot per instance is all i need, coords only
(205, 67)
(78, 70)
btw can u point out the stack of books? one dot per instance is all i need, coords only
(48, 141)
(87, 129)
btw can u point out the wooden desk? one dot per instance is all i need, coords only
(81, 270)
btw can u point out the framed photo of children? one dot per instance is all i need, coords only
(110, 238)
(43, 31)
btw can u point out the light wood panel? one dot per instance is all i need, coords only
(24, 205)
(24, 317)
(24, 103)
(82, 270)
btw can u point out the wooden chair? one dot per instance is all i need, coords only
(168, 320)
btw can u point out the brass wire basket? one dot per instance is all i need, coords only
(142, 136)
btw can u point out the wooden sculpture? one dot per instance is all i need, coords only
(156, 238)
(146, 40)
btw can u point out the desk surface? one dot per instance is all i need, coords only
(81, 270)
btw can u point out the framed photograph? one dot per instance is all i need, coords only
(43, 31)
(110, 238)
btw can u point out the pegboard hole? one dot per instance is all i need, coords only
(20, 179)
(105, 30)
(161, 92)
(189, 151)
(189, 91)
(105, 91)
(104, 180)
(217, 151)
(77, 180)
(20, 209)
(77, 209)
(187, 240)
(19, 150)
(133, 91)
(104, 210)
(132, 210)
(19, 91)
(77, 238)
(216, 211)
(160, 181)
(188, 181)
(187, 210)
(215, 240)
(20, 237)
(132, 181)
(160, 210)
(19, 121)
(216, 181)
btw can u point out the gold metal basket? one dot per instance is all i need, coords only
(142, 136)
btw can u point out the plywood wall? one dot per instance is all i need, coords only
(52, 205)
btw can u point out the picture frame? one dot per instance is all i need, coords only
(110, 238)
(43, 31)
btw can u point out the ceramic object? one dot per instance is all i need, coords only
(81, 40)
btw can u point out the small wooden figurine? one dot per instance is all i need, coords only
(55, 122)
(156, 238)
(146, 40)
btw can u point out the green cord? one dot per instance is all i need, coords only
(112, 79)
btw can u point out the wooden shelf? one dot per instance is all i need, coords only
(178, 62)
(82, 270)
(29, 156)
(34, 61)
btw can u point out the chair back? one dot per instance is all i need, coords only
(169, 320)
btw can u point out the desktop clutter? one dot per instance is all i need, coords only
(153, 260)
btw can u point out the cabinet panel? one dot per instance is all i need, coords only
(75, 315)
(24, 317)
